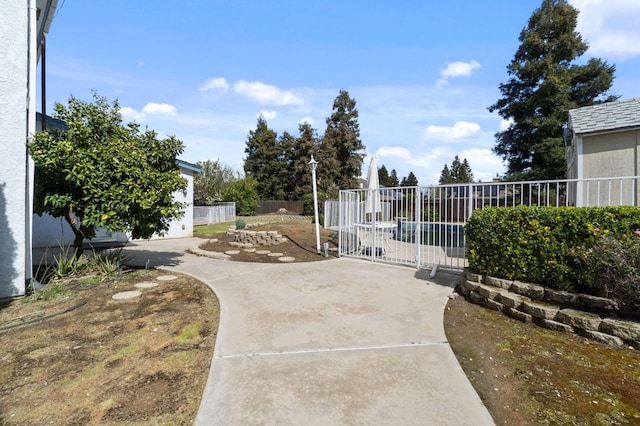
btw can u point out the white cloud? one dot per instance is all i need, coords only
(459, 69)
(484, 164)
(308, 120)
(161, 109)
(215, 84)
(267, 115)
(505, 124)
(611, 27)
(131, 114)
(456, 69)
(393, 152)
(267, 94)
(460, 130)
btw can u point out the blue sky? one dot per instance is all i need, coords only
(422, 73)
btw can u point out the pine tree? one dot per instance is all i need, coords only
(265, 162)
(383, 177)
(341, 153)
(305, 146)
(410, 180)
(445, 176)
(393, 179)
(459, 172)
(544, 84)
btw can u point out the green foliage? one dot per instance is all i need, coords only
(544, 83)
(393, 179)
(429, 215)
(613, 262)
(266, 161)
(341, 151)
(460, 172)
(109, 262)
(240, 224)
(546, 245)
(50, 292)
(410, 180)
(209, 185)
(243, 192)
(305, 146)
(100, 173)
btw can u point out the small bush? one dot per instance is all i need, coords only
(240, 224)
(614, 265)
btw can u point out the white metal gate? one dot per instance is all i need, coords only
(424, 226)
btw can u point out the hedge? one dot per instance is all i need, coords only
(551, 246)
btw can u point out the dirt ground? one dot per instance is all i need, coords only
(84, 358)
(527, 375)
(301, 243)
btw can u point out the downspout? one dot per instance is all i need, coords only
(32, 54)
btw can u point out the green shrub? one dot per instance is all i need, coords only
(546, 245)
(614, 264)
(240, 224)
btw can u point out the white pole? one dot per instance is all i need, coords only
(313, 163)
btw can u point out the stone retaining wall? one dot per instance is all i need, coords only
(589, 316)
(247, 239)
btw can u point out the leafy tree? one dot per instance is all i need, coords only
(209, 185)
(460, 172)
(410, 180)
(544, 84)
(244, 193)
(341, 152)
(305, 145)
(100, 173)
(265, 162)
(393, 179)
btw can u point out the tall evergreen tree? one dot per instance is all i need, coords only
(306, 145)
(459, 172)
(285, 190)
(393, 179)
(265, 162)
(341, 154)
(410, 180)
(544, 84)
(445, 176)
(383, 177)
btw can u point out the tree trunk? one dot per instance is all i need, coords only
(77, 232)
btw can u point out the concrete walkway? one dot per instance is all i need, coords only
(338, 342)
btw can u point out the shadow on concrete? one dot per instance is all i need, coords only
(8, 251)
(445, 278)
(152, 258)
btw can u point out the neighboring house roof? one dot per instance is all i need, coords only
(605, 117)
(189, 166)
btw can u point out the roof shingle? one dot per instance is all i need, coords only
(605, 117)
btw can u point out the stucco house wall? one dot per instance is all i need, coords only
(14, 32)
(603, 141)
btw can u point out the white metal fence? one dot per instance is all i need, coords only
(424, 226)
(207, 215)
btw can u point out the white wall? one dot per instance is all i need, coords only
(183, 227)
(14, 32)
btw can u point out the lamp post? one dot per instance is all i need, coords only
(314, 164)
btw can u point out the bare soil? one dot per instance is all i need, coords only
(84, 358)
(301, 243)
(527, 375)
